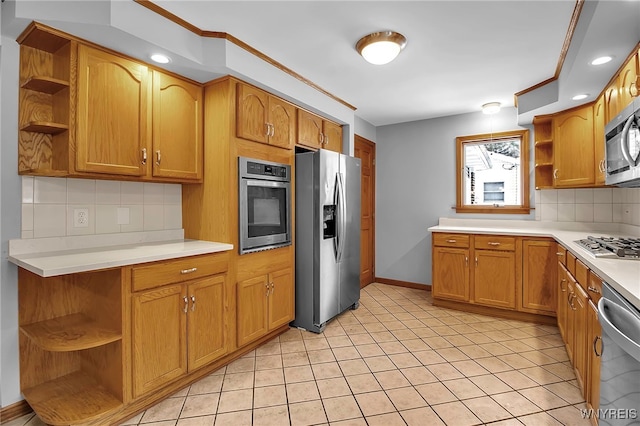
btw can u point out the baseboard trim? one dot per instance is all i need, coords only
(496, 312)
(13, 411)
(407, 284)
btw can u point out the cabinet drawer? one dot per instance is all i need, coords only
(494, 242)
(594, 289)
(571, 263)
(562, 255)
(451, 240)
(582, 274)
(173, 271)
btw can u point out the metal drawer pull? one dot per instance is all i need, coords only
(272, 288)
(267, 286)
(186, 304)
(193, 303)
(188, 271)
(559, 254)
(595, 346)
(158, 157)
(491, 243)
(451, 241)
(144, 156)
(564, 280)
(593, 289)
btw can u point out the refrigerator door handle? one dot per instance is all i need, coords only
(342, 215)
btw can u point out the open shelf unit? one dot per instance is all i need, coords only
(71, 345)
(543, 152)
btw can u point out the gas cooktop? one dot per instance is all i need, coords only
(612, 247)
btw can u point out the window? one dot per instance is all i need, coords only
(493, 173)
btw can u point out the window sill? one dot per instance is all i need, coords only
(493, 210)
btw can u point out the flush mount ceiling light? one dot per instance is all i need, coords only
(491, 108)
(160, 58)
(580, 97)
(382, 47)
(601, 60)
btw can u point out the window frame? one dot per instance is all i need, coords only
(524, 207)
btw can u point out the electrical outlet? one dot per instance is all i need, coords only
(80, 218)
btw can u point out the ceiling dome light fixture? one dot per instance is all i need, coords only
(160, 58)
(601, 60)
(580, 97)
(382, 47)
(491, 108)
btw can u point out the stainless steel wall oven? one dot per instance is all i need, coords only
(264, 204)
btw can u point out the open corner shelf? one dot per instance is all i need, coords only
(72, 399)
(69, 333)
(45, 84)
(44, 127)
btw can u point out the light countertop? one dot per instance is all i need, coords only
(73, 255)
(622, 274)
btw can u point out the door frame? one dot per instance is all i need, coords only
(359, 140)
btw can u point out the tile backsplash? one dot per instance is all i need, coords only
(601, 205)
(49, 206)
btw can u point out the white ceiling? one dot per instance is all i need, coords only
(459, 54)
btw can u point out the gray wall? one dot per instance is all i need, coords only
(416, 185)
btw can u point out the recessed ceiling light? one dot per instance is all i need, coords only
(382, 47)
(491, 108)
(601, 60)
(580, 97)
(160, 58)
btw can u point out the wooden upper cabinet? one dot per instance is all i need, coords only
(627, 81)
(611, 107)
(113, 114)
(264, 118)
(309, 129)
(599, 122)
(177, 127)
(332, 136)
(573, 148)
(315, 132)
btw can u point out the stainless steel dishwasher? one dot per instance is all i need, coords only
(620, 361)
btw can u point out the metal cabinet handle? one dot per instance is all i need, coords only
(559, 254)
(193, 303)
(572, 297)
(452, 241)
(188, 271)
(491, 243)
(326, 140)
(601, 166)
(267, 287)
(466, 261)
(158, 157)
(593, 289)
(595, 346)
(271, 130)
(186, 304)
(321, 137)
(555, 173)
(266, 132)
(272, 287)
(563, 289)
(144, 156)
(476, 260)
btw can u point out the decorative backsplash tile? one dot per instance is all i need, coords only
(597, 205)
(48, 206)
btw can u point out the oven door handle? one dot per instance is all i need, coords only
(624, 141)
(611, 315)
(266, 183)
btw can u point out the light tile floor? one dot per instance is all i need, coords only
(396, 360)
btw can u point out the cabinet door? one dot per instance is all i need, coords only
(611, 107)
(282, 117)
(159, 337)
(573, 148)
(563, 297)
(627, 89)
(252, 309)
(309, 129)
(599, 141)
(540, 268)
(571, 318)
(207, 327)
(332, 139)
(281, 298)
(580, 343)
(495, 278)
(177, 128)
(113, 114)
(594, 350)
(451, 273)
(252, 112)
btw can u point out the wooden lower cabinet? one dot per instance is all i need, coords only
(594, 351)
(494, 278)
(264, 303)
(451, 273)
(176, 329)
(563, 304)
(579, 307)
(539, 276)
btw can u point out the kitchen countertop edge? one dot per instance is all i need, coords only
(622, 275)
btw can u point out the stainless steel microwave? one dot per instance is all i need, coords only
(622, 148)
(264, 203)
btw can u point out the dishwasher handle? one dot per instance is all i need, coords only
(621, 326)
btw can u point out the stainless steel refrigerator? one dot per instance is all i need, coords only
(327, 237)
